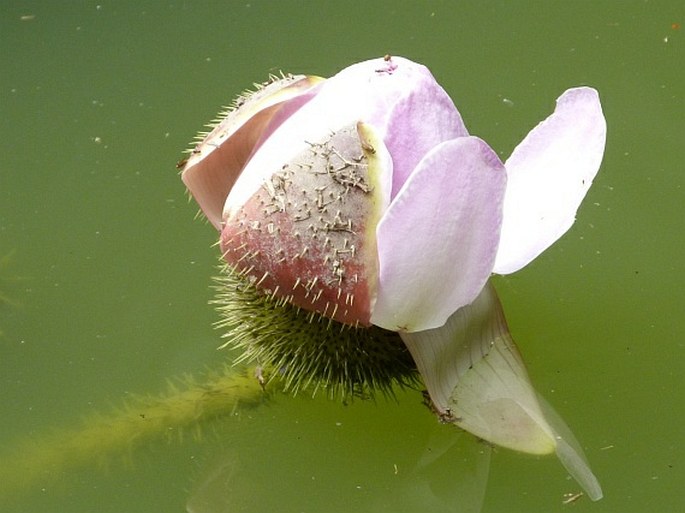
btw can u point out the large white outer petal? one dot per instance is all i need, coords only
(549, 174)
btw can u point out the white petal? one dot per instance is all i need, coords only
(548, 176)
(444, 355)
(476, 378)
(570, 453)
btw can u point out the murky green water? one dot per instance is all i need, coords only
(107, 273)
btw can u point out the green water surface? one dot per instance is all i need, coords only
(105, 286)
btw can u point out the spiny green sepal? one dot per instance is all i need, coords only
(306, 350)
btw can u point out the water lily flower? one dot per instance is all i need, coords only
(364, 198)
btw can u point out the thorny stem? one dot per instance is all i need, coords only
(42, 460)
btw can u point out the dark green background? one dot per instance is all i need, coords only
(97, 101)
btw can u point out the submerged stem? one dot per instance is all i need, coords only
(44, 459)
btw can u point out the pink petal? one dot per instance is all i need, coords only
(216, 162)
(399, 98)
(549, 174)
(418, 122)
(438, 239)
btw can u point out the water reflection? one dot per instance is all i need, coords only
(329, 458)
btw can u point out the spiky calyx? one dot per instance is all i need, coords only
(308, 233)
(305, 349)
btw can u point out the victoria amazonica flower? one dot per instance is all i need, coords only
(363, 199)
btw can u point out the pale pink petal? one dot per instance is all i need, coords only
(419, 121)
(216, 162)
(438, 239)
(399, 98)
(549, 174)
